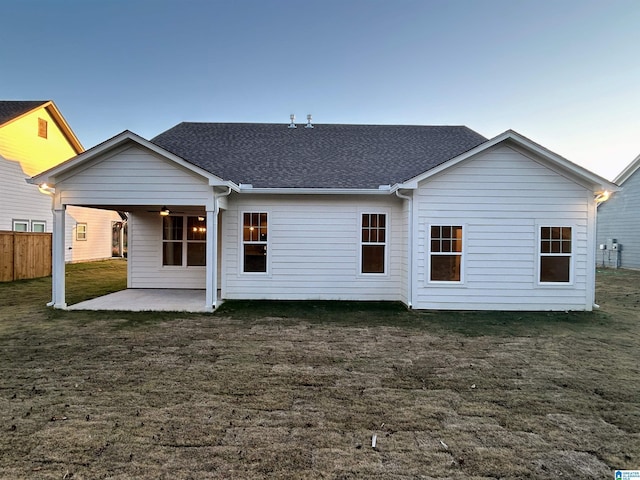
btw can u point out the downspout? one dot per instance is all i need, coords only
(409, 248)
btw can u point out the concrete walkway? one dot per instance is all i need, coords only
(146, 299)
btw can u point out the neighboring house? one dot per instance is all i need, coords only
(619, 222)
(34, 137)
(437, 217)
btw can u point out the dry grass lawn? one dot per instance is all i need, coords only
(297, 390)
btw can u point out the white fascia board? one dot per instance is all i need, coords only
(628, 171)
(49, 176)
(314, 191)
(599, 183)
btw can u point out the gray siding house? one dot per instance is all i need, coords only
(618, 228)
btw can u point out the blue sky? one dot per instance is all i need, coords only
(564, 73)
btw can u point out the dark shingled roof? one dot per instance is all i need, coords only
(326, 156)
(10, 109)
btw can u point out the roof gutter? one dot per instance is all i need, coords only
(382, 190)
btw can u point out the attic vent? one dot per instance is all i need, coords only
(309, 122)
(293, 119)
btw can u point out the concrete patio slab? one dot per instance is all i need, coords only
(143, 299)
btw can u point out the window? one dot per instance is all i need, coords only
(555, 254)
(445, 253)
(373, 242)
(184, 246)
(81, 232)
(42, 128)
(254, 242)
(20, 226)
(38, 226)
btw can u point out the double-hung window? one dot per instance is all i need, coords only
(184, 246)
(445, 253)
(254, 242)
(555, 254)
(373, 242)
(81, 231)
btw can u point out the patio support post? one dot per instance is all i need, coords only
(57, 264)
(212, 259)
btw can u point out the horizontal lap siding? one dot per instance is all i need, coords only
(619, 218)
(145, 257)
(135, 177)
(314, 245)
(501, 198)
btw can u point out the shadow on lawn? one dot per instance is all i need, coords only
(396, 315)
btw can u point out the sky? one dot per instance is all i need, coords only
(564, 73)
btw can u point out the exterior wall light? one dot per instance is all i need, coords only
(164, 211)
(602, 197)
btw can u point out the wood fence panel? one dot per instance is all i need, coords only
(24, 255)
(6, 256)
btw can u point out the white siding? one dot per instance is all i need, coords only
(19, 200)
(134, 176)
(145, 257)
(97, 246)
(314, 249)
(501, 198)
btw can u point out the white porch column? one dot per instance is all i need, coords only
(211, 294)
(58, 265)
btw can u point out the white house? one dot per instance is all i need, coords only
(35, 136)
(437, 217)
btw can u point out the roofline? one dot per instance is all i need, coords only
(382, 190)
(629, 170)
(114, 142)
(60, 120)
(521, 140)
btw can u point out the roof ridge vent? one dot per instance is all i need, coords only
(309, 125)
(293, 120)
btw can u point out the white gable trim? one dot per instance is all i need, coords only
(629, 170)
(49, 176)
(598, 183)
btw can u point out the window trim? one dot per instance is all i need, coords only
(78, 234)
(39, 222)
(20, 221)
(385, 244)
(462, 255)
(184, 242)
(539, 254)
(242, 242)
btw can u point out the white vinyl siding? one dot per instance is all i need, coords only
(314, 244)
(145, 257)
(135, 177)
(501, 197)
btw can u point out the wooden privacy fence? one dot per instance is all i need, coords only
(24, 255)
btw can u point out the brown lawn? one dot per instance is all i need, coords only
(298, 390)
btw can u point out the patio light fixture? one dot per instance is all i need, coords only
(602, 197)
(164, 211)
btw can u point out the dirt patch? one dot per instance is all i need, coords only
(294, 394)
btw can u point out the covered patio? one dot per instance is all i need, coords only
(149, 299)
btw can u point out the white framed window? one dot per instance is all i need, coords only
(373, 243)
(81, 232)
(555, 258)
(255, 242)
(445, 253)
(38, 226)
(184, 241)
(21, 225)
